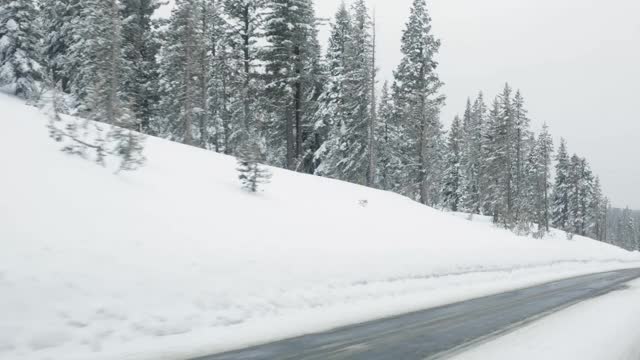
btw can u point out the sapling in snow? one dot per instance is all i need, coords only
(252, 173)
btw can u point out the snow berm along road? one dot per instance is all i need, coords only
(176, 261)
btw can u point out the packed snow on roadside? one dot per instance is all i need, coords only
(175, 260)
(602, 328)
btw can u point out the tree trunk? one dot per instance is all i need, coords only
(298, 104)
(371, 175)
(188, 75)
(113, 64)
(290, 139)
(422, 156)
(226, 128)
(204, 84)
(247, 68)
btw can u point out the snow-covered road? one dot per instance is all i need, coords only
(450, 329)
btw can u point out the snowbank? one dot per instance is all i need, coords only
(175, 260)
(603, 328)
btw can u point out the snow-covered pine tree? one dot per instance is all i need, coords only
(491, 165)
(473, 130)
(126, 144)
(140, 46)
(588, 198)
(530, 200)
(418, 102)
(372, 146)
(452, 182)
(224, 88)
(598, 210)
(206, 29)
(627, 230)
(251, 173)
(521, 145)
(500, 157)
(20, 60)
(473, 179)
(195, 78)
(534, 195)
(346, 155)
(467, 170)
(360, 82)
(505, 155)
(61, 25)
(388, 142)
(560, 197)
(179, 74)
(544, 157)
(580, 196)
(333, 111)
(292, 66)
(98, 84)
(76, 136)
(103, 61)
(244, 18)
(577, 219)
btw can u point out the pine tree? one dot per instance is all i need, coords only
(103, 65)
(347, 153)
(140, 49)
(245, 22)
(417, 102)
(225, 130)
(126, 144)
(452, 191)
(530, 199)
(251, 173)
(75, 135)
(534, 195)
(544, 154)
(98, 84)
(580, 196)
(560, 202)
(333, 107)
(491, 165)
(598, 209)
(360, 82)
(179, 72)
(627, 230)
(209, 32)
(62, 26)
(467, 170)
(472, 156)
(20, 63)
(521, 144)
(372, 141)
(388, 141)
(292, 60)
(500, 160)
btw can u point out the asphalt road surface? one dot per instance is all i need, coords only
(438, 332)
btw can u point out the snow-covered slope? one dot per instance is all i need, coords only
(176, 260)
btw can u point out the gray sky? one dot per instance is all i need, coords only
(577, 63)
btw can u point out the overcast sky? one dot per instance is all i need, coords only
(577, 63)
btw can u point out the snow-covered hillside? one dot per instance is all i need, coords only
(176, 260)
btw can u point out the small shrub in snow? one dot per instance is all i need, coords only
(252, 173)
(90, 139)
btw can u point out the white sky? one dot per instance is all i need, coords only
(577, 63)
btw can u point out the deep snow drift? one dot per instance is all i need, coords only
(176, 260)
